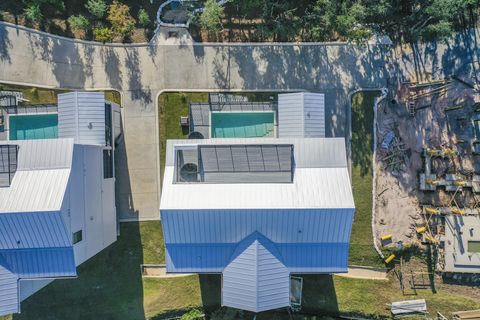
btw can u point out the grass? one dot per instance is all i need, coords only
(173, 105)
(36, 95)
(361, 243)
(110, 286)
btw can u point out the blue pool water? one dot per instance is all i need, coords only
(36, 126)
(242, 124)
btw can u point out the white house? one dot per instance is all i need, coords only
(57, 198)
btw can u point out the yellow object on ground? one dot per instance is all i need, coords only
(458, 211)
(421, 229)
(460, 183)
(386, 237)
(433, 181)
(432, 210)
(390, 258)
(430, 239)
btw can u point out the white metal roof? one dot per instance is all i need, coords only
(41, 178)
(301, 114)
(321, 180)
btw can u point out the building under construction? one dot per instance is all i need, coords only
(428, 170)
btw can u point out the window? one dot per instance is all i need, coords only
(107, 164)
(473, 246)
(77, 237)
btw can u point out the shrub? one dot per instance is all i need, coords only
(119, 16)
(102, 34)
(143, 18)
(210, 19)
(97, 8)
(33, 12)
(78, 22)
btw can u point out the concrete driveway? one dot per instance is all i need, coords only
(141, 72)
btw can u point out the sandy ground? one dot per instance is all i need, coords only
(398, 201)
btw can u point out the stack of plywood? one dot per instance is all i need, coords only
(461, 315)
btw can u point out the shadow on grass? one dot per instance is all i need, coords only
(109, 286)
(318, 298)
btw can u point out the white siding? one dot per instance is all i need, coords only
(91, 203)
(256, 280)
(301, 114)
(81, 115)
(290, 115)
(8, 292)
(314, 114)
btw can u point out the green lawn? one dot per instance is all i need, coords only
(173, 105)
(361, 243)
(110, 286)
(49, 96)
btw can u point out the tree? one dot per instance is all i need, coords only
(97, 8)
(78, 22)
(33, 12)
(102, 34)
(143, 18)
(211, 17)
(122, 22)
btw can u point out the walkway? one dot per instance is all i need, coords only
(141, 72)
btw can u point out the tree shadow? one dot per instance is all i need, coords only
(109, 286)
(5, 44)
(112, 67)
(138, 90)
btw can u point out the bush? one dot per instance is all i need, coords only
(122, 22)
(78, 22)
(143, 18)
(210, 19)
(33, 12)
(97, 8)
(102, 34)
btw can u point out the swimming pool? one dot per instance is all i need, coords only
(242, 124)
(33, 126)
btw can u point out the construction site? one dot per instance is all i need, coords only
(427, 173)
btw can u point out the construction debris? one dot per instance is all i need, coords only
(428, 135)
(464, 315)
(408, 307)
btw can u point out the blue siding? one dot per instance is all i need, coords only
(278, 225)
(318, 258)
(198, 258)
(33, 230)
(40, 263)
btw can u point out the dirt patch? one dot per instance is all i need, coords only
(403, 131)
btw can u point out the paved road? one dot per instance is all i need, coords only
(141, 72)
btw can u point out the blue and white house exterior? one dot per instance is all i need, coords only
(57, 199)
(256, 211)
